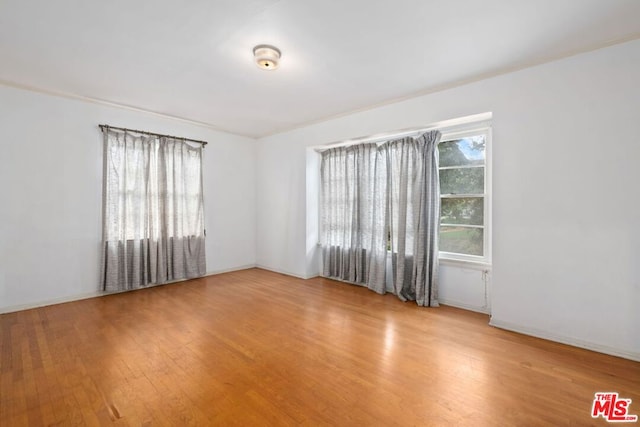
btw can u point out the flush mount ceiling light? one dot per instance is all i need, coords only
(267, 57)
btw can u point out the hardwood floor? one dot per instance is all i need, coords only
(259, 348)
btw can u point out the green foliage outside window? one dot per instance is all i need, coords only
(462, 182)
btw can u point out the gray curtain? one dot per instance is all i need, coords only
(153, 212)
(376, 198)
(353, 208)
(414, 215)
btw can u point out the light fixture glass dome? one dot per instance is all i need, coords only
(267, 57)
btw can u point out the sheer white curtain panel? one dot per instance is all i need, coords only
(353, 206)
(378, 200)
(153, 211)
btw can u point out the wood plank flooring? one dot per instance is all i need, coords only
(259, 348)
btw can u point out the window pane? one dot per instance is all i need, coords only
(462, 181)
(469, 210)
(461, 240)
(462, 152)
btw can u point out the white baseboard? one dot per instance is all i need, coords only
(631, 355)
(86, 295)
(464, 306)
(53, 301)
(277, 270)
(229, 270)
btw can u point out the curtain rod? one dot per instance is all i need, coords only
(103, 127)
(383, 137)
(444, 125)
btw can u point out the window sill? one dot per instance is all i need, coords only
(472, 264)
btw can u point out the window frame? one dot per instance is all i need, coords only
(458, 133)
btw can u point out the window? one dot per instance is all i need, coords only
(163, 192)
(465, 187)
(464, 206)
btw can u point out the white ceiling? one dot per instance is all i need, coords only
(193, 58)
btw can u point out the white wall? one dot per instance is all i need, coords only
(565, 209)
(51, 194)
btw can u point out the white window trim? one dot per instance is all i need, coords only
(470, 129)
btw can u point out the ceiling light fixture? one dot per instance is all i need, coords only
(267, 57)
